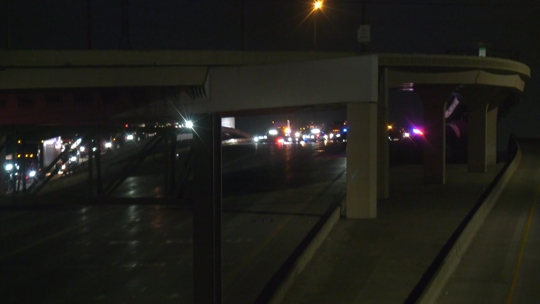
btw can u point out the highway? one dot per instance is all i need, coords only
(501, 265)
(142, 253)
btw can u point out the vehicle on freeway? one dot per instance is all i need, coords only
(280, 132)
(260, 138)
(398, 133)
(313, 133)
(274, 136)
(338, 131)
(307, 136)
(13, 176)
(395, 133)
(84, 147)
(69, 163)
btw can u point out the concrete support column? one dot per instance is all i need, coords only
(482, 102)
(477, 151)
(207, 272)
(99, 179)
(3, 179)
(166, 162)
(169, 162)
(434, 99)
(172, 164)
(491, 140)
(90, 164)
(23, 166)
(383, 153)
(361, 160)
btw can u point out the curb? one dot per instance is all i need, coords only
(305, 257)
(452, 259)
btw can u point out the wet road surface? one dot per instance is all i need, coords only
(134, 253)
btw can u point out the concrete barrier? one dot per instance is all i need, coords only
(452, 259)
(305, 257)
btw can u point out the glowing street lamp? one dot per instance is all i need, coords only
(317, 5)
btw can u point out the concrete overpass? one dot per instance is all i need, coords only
(97, 87)
(39, 88)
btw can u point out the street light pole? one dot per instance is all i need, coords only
(243, 25)
(8, 36)
(89, 24)
(317, 5)
(315, 31)
(364, 22)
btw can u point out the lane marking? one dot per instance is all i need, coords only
(522, 249)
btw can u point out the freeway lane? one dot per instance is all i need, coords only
(501, 264)
(273, 195)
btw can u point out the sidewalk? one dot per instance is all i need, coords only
(381, 260)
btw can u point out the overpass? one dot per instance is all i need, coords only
(96, 88)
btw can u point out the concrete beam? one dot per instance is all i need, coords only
(474, 77)
(332, 81)
(427, 62)
(61, 78)
(361, 199)
(157, 58)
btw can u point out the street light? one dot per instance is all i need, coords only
(317, 5)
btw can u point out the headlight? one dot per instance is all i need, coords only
(32, 173)
(81, 149)
(255, 139)
(73, 158)
(129, 137)
(108, 145)
(9, 167)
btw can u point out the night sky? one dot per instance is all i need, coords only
(429, 27)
